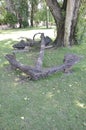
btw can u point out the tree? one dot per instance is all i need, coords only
(33, 8)
(43, 14)
(22, 12)
(20, 9)
(65, 13)
(11, 19)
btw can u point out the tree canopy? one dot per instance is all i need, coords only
(64, 13)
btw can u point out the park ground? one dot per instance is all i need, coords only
(16, 34)
(57, 102)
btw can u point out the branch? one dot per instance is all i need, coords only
(55, 9)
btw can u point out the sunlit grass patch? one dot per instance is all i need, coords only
(21, 29)
(14, 30)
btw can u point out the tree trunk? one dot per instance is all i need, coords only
(73, 39)
(56, 11)
(59, 40)
(47, 17)
(68, 21)
(20, 20)
(65, 17)
(20, 23)
(32, 14)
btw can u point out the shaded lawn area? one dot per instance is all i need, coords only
(57, 102)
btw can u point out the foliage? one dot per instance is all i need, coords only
(2, 12)
(81, 25)
(1, 20)
(18, 10)
(21, 10)
(25, 24)
(10, 18)
(41, 15)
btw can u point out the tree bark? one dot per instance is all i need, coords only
(68, 21)
(73, 39)
(20, 20)
(56, 11)
(59, 40)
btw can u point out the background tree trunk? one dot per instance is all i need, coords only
(32, 13)
(20, 20)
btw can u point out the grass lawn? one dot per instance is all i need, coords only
(22, 29)
(57, 102)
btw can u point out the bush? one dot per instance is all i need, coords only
(1, 21)
(25, 24)
(81, 25)
(10, 18)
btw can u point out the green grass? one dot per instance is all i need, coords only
(57, 102)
